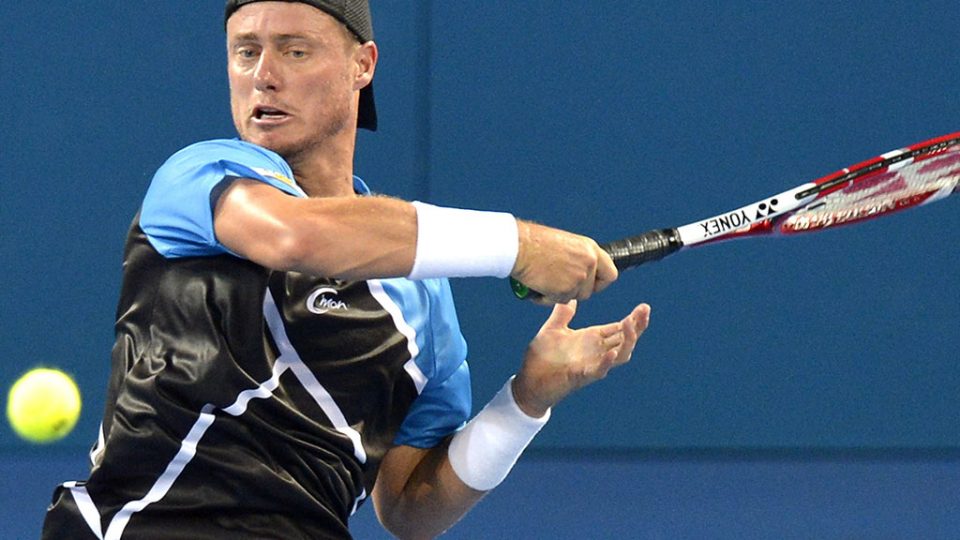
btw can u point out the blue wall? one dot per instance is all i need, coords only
(603, 117)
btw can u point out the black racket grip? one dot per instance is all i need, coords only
(626, 253)
(647, 247)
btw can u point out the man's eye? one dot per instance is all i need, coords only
(246, 53)
(298, 54)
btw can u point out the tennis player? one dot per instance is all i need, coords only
(286, 343)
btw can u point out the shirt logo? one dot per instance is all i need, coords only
(267, 173)
(318, 302)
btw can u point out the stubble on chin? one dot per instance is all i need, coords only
(295, 152)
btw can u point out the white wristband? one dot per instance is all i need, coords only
(485, 450)
(464, 243)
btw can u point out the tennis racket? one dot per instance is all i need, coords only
(901, 179)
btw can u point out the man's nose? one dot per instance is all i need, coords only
(267, 75)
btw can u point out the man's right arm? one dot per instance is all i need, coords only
(376, 237)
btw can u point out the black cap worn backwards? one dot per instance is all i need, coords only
(355, 15)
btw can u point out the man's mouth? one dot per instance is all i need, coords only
(268, 114)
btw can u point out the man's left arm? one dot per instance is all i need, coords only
(420, 492)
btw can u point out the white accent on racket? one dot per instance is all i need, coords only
(946, 189)
(742, 218)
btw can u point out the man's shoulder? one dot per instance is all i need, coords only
(229, 157)
(226, 148)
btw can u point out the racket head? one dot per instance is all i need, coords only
(901, 179)
(905, 178)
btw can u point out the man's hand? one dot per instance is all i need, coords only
(560, 360)
(561, 266)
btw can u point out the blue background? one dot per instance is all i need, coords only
(603, 117)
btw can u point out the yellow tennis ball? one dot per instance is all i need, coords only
(43, 405)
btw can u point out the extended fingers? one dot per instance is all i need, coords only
(612, 339)
(607, 337)
(642, 313)
(633, 325)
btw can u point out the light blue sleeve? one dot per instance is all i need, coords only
(177, 211)
(444, 405)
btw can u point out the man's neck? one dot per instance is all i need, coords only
(326, 171)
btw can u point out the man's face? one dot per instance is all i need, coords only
(292, 71)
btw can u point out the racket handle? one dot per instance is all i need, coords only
(647, 247)
(626, 253)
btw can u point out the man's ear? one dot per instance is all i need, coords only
(366, 58)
